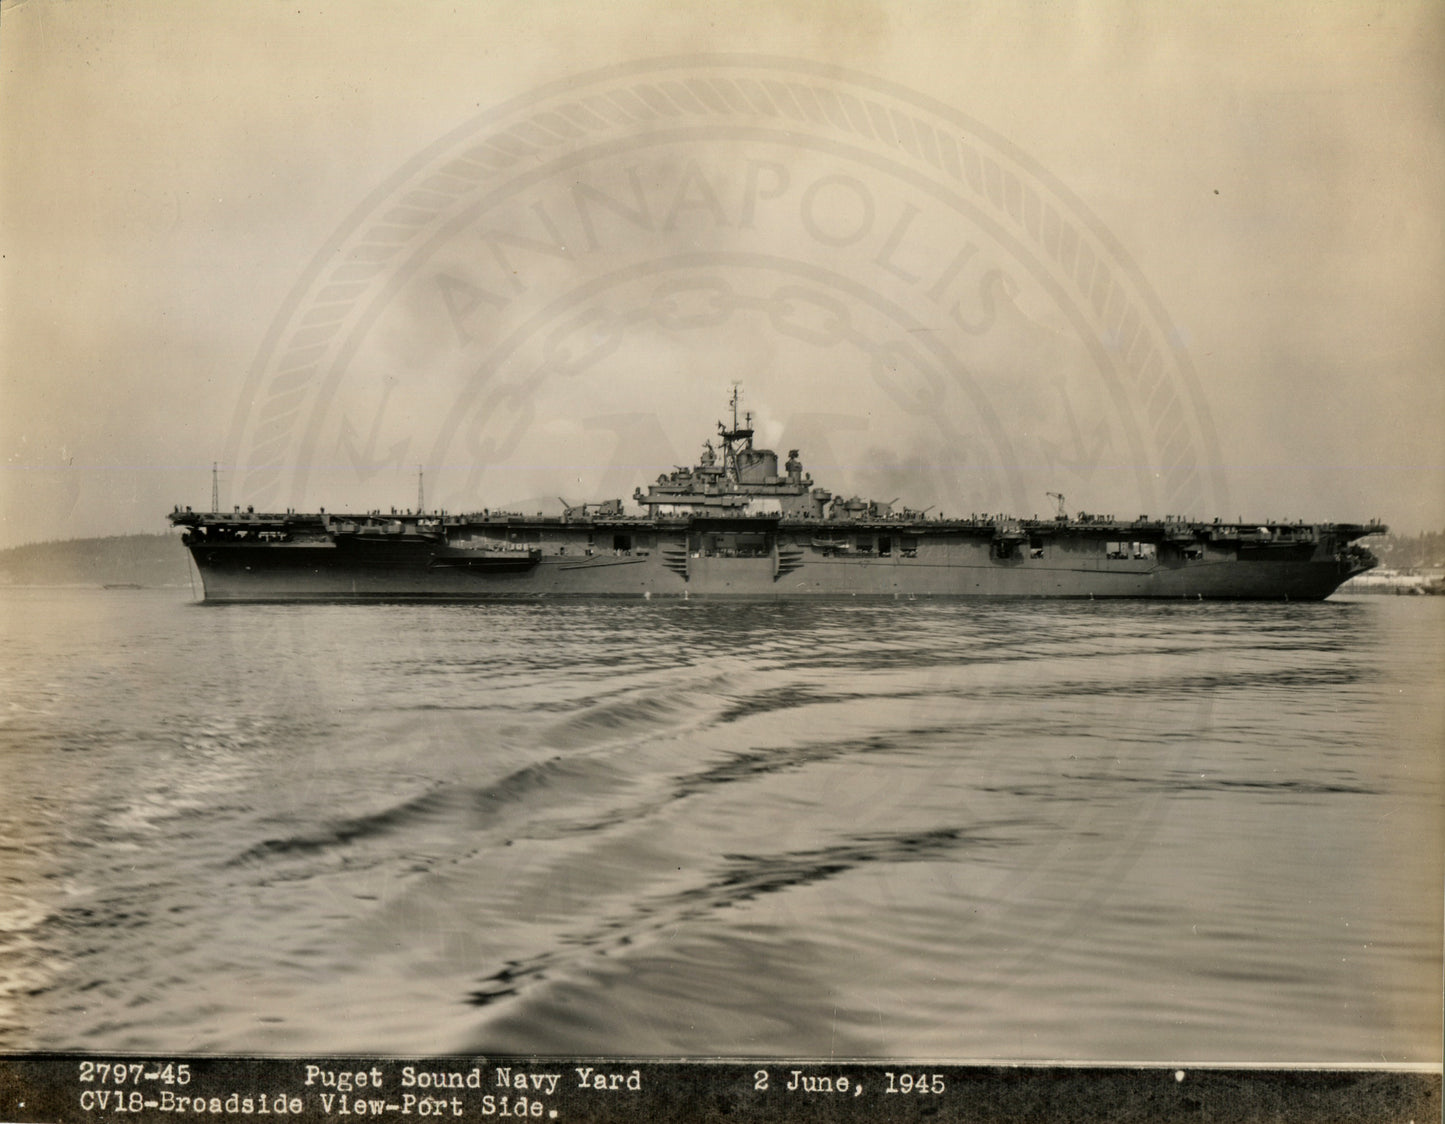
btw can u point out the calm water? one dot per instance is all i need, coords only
(1173, 832)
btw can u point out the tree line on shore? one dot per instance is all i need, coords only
(1425, 551)
(147, 560)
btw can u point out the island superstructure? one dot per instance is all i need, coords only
(734, 525)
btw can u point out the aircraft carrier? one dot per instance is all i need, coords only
(737, 525)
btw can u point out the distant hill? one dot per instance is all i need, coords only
(1404, 552)
(148, 560)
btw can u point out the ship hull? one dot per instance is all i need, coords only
(963, 568)
(742, 524)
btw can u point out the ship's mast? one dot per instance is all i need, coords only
(738, 432)
(215, 488)
(420, 492)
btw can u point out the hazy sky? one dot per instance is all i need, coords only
(172, 171)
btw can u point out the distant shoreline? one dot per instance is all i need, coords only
(120, 561)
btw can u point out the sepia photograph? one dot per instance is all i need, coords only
(788, 536)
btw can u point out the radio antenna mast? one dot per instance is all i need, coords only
(215, 488)
(420, 492)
